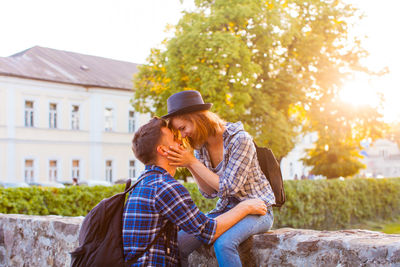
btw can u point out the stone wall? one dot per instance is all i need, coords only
(299, 247)
(46, 240)
(37, 240)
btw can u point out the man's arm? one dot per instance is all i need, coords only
(173, 201)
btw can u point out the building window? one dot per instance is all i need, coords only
(132, 171)
(109, 170)
(131, 121)
(53, 115)
(75, 117)
(76, 169)
(29, 172)
(53, 171)
(29, 120)
(108, 119)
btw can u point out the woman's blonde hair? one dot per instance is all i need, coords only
(206, 123)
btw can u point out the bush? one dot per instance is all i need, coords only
(204, 204)
(321, 204)
(68, 201)
(336, 204)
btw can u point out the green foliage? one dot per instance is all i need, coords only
(334, 160)
(337, 204)
(393, 228)
(205, 205)
(72, 200)
(69, 201)
(341, 128)
(266, 63)
(182, 174)
(321, 204)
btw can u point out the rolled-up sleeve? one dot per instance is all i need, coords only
(209, 196)
(174, 203)
(241, 154)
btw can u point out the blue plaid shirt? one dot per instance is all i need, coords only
(159, 198)
(240, 176)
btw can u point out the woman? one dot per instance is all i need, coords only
(225, 165)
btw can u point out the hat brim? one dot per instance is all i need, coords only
(189, 109)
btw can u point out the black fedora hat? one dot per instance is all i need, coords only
(185, 102)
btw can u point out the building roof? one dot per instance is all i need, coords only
(48, 64)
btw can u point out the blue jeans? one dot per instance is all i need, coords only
(226, 246)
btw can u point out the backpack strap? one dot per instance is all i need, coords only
(164, 229)
(129, 188)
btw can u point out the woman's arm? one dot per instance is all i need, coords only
(203, 175)
(202, 184)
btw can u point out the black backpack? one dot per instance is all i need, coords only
(100, 237)
(270, 167)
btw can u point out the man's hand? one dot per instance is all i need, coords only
(254, 206)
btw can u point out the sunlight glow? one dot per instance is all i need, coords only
(359, 92)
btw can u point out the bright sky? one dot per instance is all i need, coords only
(128, 29)
(382, 43)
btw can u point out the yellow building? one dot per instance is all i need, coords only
(65, 115)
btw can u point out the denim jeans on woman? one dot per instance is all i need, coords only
(226, 246)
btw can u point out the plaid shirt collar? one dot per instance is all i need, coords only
(149, 168)
(232, 128)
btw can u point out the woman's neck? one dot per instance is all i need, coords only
(217, 138)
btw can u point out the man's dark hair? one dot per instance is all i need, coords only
(146, 140)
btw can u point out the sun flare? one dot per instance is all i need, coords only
(359, 93)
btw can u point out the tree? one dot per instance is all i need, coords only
(341, 129)
(265, 63)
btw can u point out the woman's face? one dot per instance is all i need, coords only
(185, 127)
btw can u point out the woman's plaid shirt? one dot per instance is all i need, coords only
(241, 177)
(155, 200)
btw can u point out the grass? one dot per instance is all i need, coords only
(388, 227)
(392, 228)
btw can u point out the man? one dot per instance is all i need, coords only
(159, 199)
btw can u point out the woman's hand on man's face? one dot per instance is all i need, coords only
(180, 156)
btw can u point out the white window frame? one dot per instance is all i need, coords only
(56, 169)
(132, 170)
(56, 115)
(32, 115)
(109, 171)
(79, 169)
(34, 169)
(78, 127)
(111, 127)
(131, 121)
